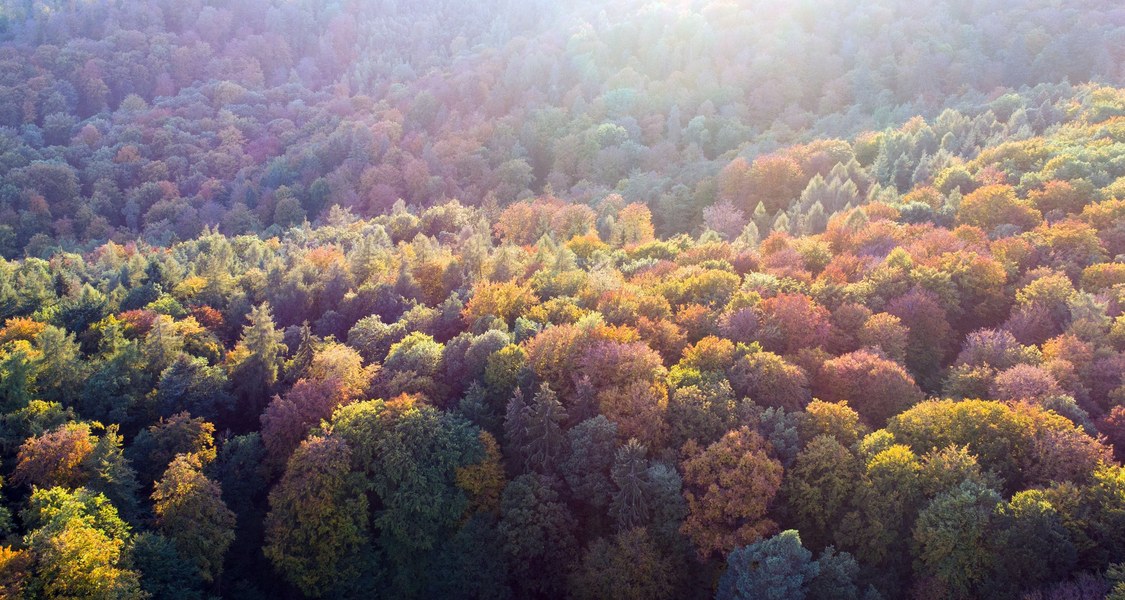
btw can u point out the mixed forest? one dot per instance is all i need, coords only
(720, 299)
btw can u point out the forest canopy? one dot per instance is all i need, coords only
(636, 299)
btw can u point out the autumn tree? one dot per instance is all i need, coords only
(791, 322)
(729, 487)
(190, 511)
(628, 566)
(79, 546)
(770, 380)
(875, 387)
(288, 418)
(56, 458)
(993, 205)
(318, 523)
(156, 447)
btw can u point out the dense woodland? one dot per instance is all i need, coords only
(636, 299)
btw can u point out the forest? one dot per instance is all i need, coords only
(734, 299)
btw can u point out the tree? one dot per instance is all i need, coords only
(769, 380)
(56, 458)
(1033, 547)
(1063, 196)
(928, 337)
(15, 571)
(820, 487)
(1025, 382)
(952, 535)
(537, 531)
(629, 506)
(535, 430)
(17, 366)
(993, 205)
(190, 511)
(637, 409)
(238, 469)
(834, 419)
(633, 226)
(998, 349)
(60, 369)
(775, 568)
(729, 487)
(1113, 427)
(155, 447)
(78, 544)
(373, 338)
(504, 300)
(164, 573)
(885, 332)
(287, 419)
(259, 356)
(791, 322)
(471, 564)
(586, 469)
(406, 450)
(628, 566)
(483, 481)
(775, 181)
(318, 523)
(887, 502)
(189, 384)
(411, 365)
(1021, 443)
(875, 387)
(341, 365)
(837, 577)
(703, 412)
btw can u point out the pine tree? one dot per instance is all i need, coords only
(257, 372)
(630, 505)
(546, 441)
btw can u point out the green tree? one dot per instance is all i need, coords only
(586, 469)
(189, 384)
(190, 511)
(952, 536)
(406, 451)
(776, 568)
(1033, 547)
(538, 533)
(164, 573)
(629, 507)
(820, 487)
(60, 368)
(535, 431)
(628, 566)
(260, 353)
(318, 522)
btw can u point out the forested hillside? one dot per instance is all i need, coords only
(562, 300)
(159, 119)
